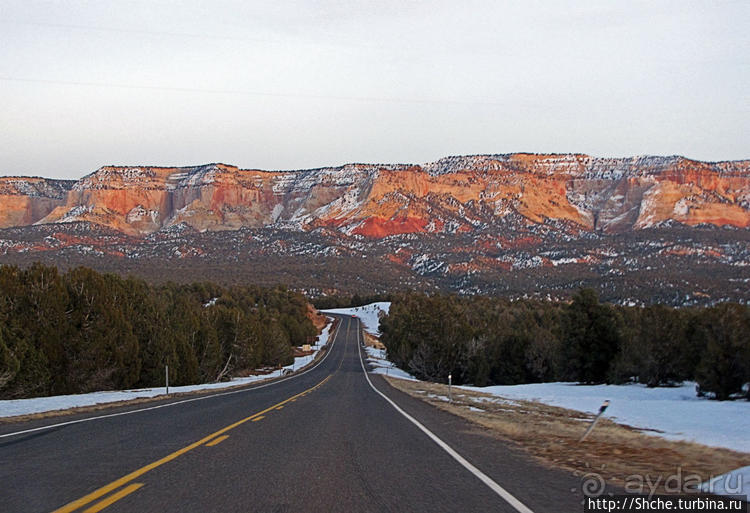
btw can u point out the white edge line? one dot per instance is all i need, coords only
(502, 492)
(209, 396)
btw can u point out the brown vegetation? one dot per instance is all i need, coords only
(373, 341)
(621, 454)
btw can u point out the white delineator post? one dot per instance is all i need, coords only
(596, 419)
(450, 391)
(166, 377)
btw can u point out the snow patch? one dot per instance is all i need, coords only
(681, 208)
(380, 364)
(14, 407)
(563, 261)
(277, 210)
(368, 314)
(676, 412)
(71, 215)
(736, 482)
(138, 212)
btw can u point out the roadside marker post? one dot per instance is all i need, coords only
(596, 419)
(450, 390)
(166, 377)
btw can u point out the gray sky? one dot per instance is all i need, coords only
(287, 85)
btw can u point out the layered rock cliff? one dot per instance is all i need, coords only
(451, 195)
(24, 200)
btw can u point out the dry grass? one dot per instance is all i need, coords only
(318, 319)
(619, 453)
(373, 341)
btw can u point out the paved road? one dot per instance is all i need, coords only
(321, 441)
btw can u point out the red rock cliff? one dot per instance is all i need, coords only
(452, 194)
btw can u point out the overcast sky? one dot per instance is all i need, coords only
(300, 84)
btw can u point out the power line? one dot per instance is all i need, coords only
(178, 34)
(252, 93)
(139, 31)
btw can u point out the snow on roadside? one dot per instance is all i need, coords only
(381, 365)
(368, 314)
(736, 482)
(677, 413)
(370, 317)
(301, 361)
(13, 407)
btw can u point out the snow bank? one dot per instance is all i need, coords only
(368, 314)
(676, 413)
(736, 482)
(13, 407)
(381, 365)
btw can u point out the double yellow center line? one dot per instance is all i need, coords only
(104, 490)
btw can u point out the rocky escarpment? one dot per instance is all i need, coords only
(25, 200)
(451, 195)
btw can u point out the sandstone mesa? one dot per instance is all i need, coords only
(451, 195)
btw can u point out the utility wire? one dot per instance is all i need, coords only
(374, 99)
(176, 34)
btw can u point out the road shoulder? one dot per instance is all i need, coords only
(532, 483)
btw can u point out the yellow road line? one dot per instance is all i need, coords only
(217, 440)
(279, 407)
(256, 419)
(113, 498)
(78, 503)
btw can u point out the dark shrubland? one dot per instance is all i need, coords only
(82, 331)
(494, 341)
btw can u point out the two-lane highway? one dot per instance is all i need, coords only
(325, 440)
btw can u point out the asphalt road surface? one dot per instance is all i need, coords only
(324, 440)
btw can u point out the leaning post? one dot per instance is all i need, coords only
(596, 419)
